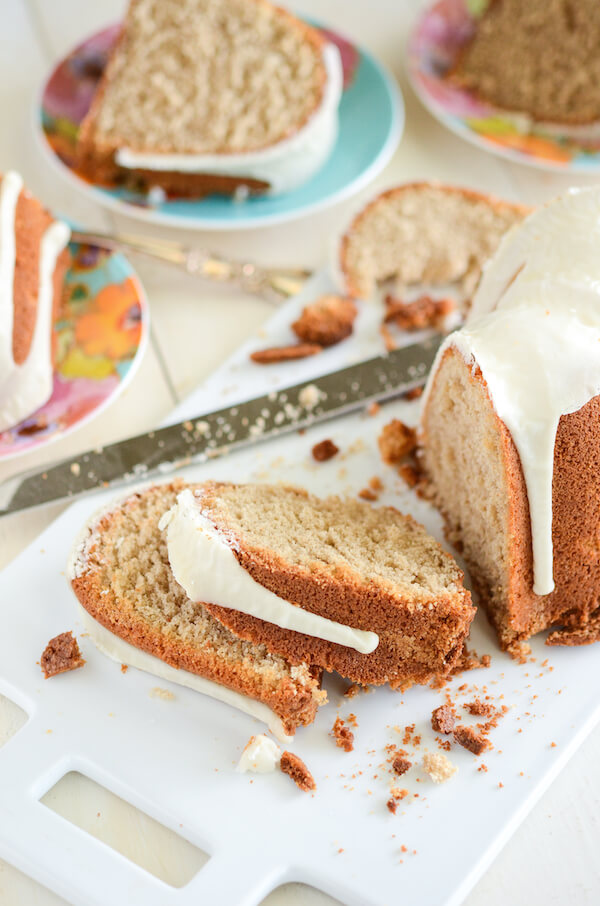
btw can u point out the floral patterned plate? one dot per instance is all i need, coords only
(100, 339)
(371, 118)
(433, 47)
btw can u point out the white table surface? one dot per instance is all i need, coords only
(552, 859)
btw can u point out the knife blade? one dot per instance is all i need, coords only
(215, 433)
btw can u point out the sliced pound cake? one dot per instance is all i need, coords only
(340, 584)
(540, 57)
(205, 96)
(33, 263)
(422, 233)
(120, 573)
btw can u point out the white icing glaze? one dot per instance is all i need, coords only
(534, 331)
(261, 755)
(25, 387)
(284, 165)
(125, 653)
(204, 564)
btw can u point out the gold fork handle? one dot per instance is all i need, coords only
(275, 285)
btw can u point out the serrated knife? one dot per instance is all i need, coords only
(216, 433)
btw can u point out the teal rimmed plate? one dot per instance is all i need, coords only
(371, 123)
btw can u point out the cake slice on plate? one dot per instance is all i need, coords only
(340, 584)
(135, 611)
(213, 96)
(33, 263)
(540, 58)
(422, 233)
(511, 428)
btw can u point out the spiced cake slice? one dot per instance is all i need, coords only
(540, 58)
(337, 583)
(422, 233)
(33, 263)
(213, 96)
(137, 612)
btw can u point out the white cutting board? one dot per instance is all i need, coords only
(174, 759)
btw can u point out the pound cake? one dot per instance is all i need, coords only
(422, 233)
(136, 612)
(340, 584)
(33, 263)
(540, 58)
(511, 428)
(213, 96)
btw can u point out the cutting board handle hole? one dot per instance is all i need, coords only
(125, 828)
(12, 719)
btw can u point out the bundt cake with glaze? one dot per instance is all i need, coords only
(511, 428)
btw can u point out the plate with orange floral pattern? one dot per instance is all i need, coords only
(433, 47)
(100, 334)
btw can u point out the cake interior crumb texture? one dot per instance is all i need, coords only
(123, 578)
(423, 233)
(540, 57)
(209, 76)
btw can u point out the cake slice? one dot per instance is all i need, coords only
(212, 96)
(540, 58)
(33, 263)
(340, 584)
(422, 233)
(136, 612)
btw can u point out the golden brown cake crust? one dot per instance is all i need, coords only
(96, 158)
(575, 534)
(294, 703)
(31, 222)
(416, 643)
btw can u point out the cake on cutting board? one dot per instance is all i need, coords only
(33, 263)
(361, 590)
(213, 96)
(510, 428)
(253, 589)
(540, 58)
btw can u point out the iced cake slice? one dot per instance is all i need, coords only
(33, 263)
(137, 612)
(340, 584)
(213, 96)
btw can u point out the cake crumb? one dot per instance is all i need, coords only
(443, 719)
(124, 668)
(295, 768)
(396, 441)
(352, 690)
(324, 450)
(368, 494)
(344, 737)
(401, 765)
(375, 483)
(410, 474)
(438, 766)
(414, 394)
(327, 321)
(392, 805)
(471, 740)
(373, 408)
(479, 709)
(388, 340)
(423, 312)
(483, 768)
(164, 694)
(275, 354)
(60, 655)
